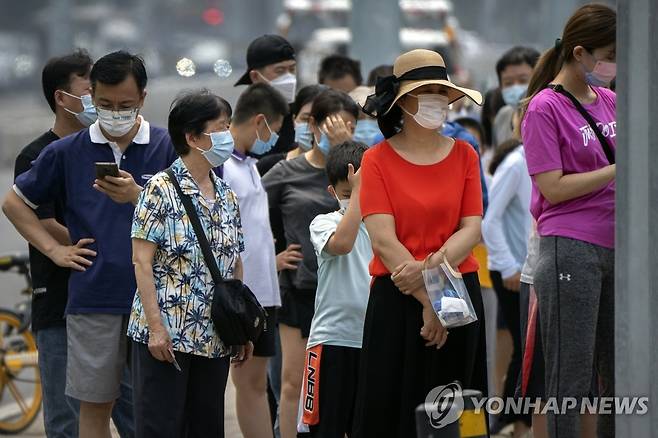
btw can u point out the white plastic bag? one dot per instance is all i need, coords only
(448, 295)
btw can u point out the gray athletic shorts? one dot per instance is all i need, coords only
(97, 356)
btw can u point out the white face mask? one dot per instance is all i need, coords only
(343, 203)
(432, 110)
(117, 123)
(286, 84)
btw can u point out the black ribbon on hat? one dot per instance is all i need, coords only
(387, 87)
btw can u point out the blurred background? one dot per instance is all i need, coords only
(470, 34)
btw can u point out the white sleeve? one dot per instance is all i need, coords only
(502, 191)
(322, 228)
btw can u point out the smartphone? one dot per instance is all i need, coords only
(106, 169)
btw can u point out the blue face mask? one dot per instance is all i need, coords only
(261, 147)
(221, 149)
(367, 131)
(303, 136)
(88, 115)
(513, 94)
(324, 144)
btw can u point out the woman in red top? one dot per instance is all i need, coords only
(420, 195)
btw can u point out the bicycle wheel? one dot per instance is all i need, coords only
(20, 382)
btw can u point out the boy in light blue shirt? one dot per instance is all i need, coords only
(343, 249)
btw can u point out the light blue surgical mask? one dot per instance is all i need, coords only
(303, 136)
(324, 144)
(367, 131)
(221, 149)
(513, 94)
(261, 147)
(88, 115)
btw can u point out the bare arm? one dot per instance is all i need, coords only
(32, 229)
(57, 230)
(385, 243)
(159, 341)
(393, 254)
(556, 187)
(342, 241)
(461, 244)
(238, 271)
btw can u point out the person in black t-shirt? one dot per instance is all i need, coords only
(66, 87)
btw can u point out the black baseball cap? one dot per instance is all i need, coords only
(266, 50)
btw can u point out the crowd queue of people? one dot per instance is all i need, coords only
(326, 202)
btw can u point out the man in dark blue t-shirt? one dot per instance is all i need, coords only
(98, 215)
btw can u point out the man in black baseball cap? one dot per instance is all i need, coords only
(271, 59)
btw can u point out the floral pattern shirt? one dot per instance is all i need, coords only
(183, 283)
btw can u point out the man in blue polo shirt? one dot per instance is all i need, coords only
(98, 215)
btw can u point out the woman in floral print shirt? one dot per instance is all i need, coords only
(180, 365)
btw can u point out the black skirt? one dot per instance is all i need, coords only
(397, 371)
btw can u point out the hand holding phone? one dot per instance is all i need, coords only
(106, 169)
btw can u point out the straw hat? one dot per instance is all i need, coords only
(360, 94)
(413, 70)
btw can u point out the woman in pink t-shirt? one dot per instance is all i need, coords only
(573, 176)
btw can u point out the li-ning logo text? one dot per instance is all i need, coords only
(609, 130)
(311, 366)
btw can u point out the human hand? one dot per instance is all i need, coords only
(289, 258)
(513, 283)
(353, 178)
(337, 130)
(408, 277)
(433, 331)
(243, 354)
(121, 189)
(160, 344)
(73, 256)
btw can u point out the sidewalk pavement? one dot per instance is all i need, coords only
(231, 427)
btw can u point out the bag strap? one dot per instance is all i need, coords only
(198, 229)
(609, 153)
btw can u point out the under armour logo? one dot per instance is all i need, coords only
(565, 277)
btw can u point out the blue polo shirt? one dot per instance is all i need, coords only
(65, 171)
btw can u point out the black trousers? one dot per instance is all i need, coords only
(397, 370)
(510, 307)
(173, 404)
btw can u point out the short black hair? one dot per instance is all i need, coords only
(348, 152)
(516, 56)
(260, 98)
(470, 122)
(56, 74)
(381, 71)
(330, 102)
(338, 66)
(305, 95)
(190, 112)
(114, 68)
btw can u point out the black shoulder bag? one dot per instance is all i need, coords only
(236, 313)
(609, 153)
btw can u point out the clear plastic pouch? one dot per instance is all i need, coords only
(448, 295)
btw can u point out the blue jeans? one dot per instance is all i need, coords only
(60, 412)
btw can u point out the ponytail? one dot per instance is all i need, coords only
(547, 68)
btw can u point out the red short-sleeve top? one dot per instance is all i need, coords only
(427, 201)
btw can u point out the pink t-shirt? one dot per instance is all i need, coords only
(556, 136)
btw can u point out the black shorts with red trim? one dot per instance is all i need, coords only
(329, 392)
